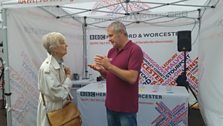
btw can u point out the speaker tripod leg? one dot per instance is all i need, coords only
(185, 82)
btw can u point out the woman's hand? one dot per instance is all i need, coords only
(68, 72)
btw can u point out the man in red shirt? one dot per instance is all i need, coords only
(121, 69)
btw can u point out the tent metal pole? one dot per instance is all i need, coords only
(84, 27)
(173, 4)
(47, 11)
(91, 10)
(6, 65)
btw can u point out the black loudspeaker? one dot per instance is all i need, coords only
(184, 40)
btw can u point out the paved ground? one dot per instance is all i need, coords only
(2, 114)
(195, 118)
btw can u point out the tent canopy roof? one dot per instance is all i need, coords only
(94, 12)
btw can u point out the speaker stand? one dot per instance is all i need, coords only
(183, 79)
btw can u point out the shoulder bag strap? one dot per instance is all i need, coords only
(44, 103)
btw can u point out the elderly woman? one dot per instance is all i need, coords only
(54, 80)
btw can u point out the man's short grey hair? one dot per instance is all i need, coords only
(52, 40)
(117, 27)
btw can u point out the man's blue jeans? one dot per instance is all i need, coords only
(121, 118)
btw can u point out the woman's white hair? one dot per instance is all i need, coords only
(52, 40)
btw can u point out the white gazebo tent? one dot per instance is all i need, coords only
(97, 14)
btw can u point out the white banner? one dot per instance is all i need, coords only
(157, 107)
(162, 62)
(210, 65)
(26, 53)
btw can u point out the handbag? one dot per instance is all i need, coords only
(69, 115)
